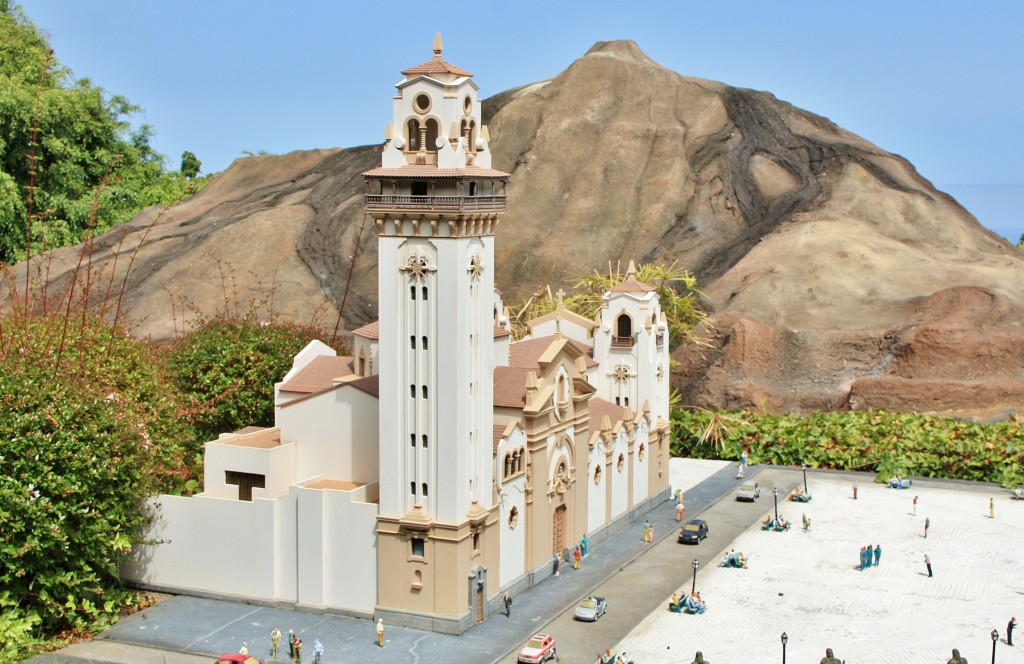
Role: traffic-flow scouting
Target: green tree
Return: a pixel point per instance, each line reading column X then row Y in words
column 91, row 430
column 66, row 144
column 190, row 164
column 228, row 367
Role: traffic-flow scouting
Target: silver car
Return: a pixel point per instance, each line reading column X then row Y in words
column 591, row 608
column 748, row 491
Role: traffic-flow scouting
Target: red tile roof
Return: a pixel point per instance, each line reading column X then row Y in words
column 599, row 408
column 526, row 353
column 369, row 331
column 368, row 384
column 320, row 374
column 431, row 171
column 501, row 332
column 435, row 66
column 510, row 387
column 631, row 285
column 496, row 432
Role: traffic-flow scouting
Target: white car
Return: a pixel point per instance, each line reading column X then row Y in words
column 748, row 491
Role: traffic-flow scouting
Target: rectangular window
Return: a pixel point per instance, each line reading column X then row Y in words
column 426, row 346
column 246, row 482
column 412, row 342
column 412, row 440
column 425, row 494
column 412, row 488
column 418, row 547
column 419, row 188
column 425, row 293
column 412, row 292
column 424, row 440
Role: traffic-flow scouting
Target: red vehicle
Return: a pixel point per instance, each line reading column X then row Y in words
column 237, row 658
column 540, row 647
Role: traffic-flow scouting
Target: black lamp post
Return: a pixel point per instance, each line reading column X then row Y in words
column 995, row 639
column 803, row 467
column 775, row 492
column 785, row 640
column 693, row 588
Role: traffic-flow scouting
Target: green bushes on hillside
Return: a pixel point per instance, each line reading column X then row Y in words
column 878, row 441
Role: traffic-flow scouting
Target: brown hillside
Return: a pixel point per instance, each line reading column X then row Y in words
column 836, row 275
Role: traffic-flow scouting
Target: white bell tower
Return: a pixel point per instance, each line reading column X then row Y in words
column 435, row 203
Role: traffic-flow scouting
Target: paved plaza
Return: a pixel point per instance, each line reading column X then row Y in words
column 807, row 584
column 803, row 583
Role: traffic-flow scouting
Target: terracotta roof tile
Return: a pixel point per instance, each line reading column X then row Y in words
column 431, row 171
column 435, row 66
column 599, row 408
column 526, row 353
column 631, row 285
column 510, row 387
column 501, row 332
column 320, row 374
column 369, row 331
column 368, row 384
column 496, row 433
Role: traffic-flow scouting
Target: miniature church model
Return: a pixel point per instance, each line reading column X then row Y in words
column 443, row 463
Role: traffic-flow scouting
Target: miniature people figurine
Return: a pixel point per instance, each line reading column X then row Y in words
column 557, row 562
column 855, row 491
column 318, row 651
column 807, row 523
column 915, row 505
column 928, row 564
column 584, row 544
column 244, row 650
column 1009, row 630
column 577, row 555
column 275, row 642
column 507, row 601
column 829, row 658
column 956, row 658
column 991, row 509
column 699, row 659
column 927, row 522
column 878, row 554
column 680, row 510
column 291, row 644
column 380, row 632
column 647, row 530
column 298, row 650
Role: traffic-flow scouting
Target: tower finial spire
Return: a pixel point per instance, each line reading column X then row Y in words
column 438, row 46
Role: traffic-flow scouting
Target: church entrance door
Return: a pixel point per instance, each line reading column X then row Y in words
column 558, row 529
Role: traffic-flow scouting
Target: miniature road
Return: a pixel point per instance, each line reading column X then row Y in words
column 643, row 585
column 803, row 583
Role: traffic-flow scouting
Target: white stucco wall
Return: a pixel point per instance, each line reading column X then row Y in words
column 597, row 499
column 511, row 493
column 209, row 545
column 640, row 467
column 619, row 479
column 277, row 465
column 338, row 430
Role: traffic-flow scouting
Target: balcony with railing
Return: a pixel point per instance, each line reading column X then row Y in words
column 434, row 203
column 622, row 342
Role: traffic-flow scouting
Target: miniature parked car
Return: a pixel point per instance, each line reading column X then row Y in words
column 237, row 658
column 591, row 608
column 748, row 491
column 539, row 648
column 693, row 531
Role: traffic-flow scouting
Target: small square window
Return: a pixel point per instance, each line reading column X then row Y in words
column 418, row 547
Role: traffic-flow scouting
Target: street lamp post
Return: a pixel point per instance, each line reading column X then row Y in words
column 785, row 640
column 803, row 467
column 995, row 639
column 693, row 588
column 775, row 492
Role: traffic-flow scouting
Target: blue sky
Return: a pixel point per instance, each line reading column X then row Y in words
column 938, row 82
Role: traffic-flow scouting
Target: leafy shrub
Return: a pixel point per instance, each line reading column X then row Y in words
column 880, row 441
column 228, row 367
column 90, row 431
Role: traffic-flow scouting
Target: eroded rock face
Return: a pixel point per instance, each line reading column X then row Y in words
column 836, row 275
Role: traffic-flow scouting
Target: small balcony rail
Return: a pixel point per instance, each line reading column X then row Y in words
column 434, row 203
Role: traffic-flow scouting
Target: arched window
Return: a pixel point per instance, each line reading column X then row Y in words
column 412, row 135
column 508, row 465
column 624, row 326
column 432, row 132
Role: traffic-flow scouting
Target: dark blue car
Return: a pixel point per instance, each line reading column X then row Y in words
column 693, row 531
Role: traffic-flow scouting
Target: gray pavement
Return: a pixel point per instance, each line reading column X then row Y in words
column 805, row 583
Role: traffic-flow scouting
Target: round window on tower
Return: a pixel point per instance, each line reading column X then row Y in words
column 467, row 105
column 422, row 102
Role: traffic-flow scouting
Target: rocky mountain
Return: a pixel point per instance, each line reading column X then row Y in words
column 836, row 275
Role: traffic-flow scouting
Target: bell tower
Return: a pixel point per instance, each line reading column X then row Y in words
column 435, row 203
